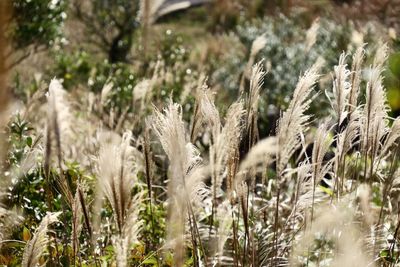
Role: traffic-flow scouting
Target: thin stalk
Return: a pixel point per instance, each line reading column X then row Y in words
column 276, row 223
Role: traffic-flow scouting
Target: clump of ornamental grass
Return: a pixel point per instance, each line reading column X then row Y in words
column 185, row 180
column 117, row 174
column 317, row 192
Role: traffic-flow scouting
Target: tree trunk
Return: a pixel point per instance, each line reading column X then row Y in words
column 120, row 47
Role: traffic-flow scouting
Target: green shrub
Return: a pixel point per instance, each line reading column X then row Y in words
column 37, row 22
column 73, row 68
column 123, row 80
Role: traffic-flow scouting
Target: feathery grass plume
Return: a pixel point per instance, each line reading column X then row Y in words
column 290, row 128
column 258, row 44
column 210, row 112
column 117, row 176
column 203, row 94
column 322, row 143
column 58, row 132
column 38, row 243
column 225, row 220
column 226, row 143
column 197, row 191
column 252, row 99
column 335, row 223
column 374, row 120
column 293, row 121
column 341, row 89
column 321, row 146
column 392, row 137
column 306, row 196
column 380, row 56
column 191, row 87
column 263, row 153
column 312, row 33
column 105, row 92
column 223, row 151
column 345, row 141
column 184, row 163
column 140, row 92
column 355, row 77
column 364, row 195
column 303, row 199
column 103, row 141
column 117, row 172
column 130, row 232
column 77, row 214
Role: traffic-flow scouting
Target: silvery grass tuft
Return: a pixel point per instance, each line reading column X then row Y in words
column 117, row 169
column 38, row 244
column 185, row 176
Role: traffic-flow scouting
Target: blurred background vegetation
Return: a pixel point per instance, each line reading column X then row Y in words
column 85, row 43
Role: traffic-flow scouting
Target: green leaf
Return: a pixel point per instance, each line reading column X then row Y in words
column 326, row 190
column 384, row 253
column 26, row 234
column 394, row 64
column 152, row 260
column 29, row 141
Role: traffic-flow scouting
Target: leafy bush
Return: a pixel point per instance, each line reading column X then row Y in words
column 72, row 68
column 37, row 22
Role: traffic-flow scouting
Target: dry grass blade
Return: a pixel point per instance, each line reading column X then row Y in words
column 257, row 45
